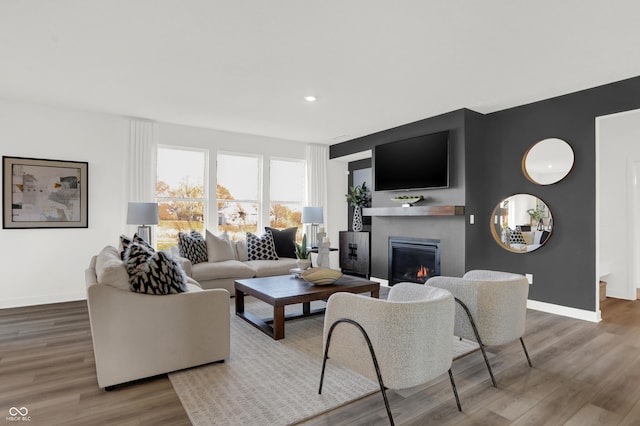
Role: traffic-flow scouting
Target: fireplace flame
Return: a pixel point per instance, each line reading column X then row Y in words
column 422, row 273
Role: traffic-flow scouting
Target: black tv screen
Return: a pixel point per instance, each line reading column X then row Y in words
column 415, row 163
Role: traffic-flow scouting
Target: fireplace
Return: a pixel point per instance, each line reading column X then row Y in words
column 413, row 259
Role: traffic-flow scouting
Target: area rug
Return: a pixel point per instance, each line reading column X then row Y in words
column 269, row 382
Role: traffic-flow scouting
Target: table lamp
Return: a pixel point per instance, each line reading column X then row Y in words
column 313, row 217
column 143, row 215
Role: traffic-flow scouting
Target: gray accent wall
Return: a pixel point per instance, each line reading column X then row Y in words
column 449, row 230
column 564, row 268
column 487, row 156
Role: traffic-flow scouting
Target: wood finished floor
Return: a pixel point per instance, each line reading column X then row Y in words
column 584, row 374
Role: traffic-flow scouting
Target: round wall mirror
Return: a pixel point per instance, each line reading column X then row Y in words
column 521, row 223
column 548, row 161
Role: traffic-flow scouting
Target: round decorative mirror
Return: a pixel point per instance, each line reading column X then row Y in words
column 521, row 223
column 548, row 161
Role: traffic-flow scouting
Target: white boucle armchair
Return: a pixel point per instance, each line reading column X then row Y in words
column 401, row 342
column 491, row 307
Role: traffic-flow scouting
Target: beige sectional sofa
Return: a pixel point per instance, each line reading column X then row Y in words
column 142, row 335
column 228, row 261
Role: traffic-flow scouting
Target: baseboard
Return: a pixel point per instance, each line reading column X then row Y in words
column 41, row 300
column 565, row 311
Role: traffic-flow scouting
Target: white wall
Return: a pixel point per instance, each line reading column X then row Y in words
column 47, row 265
column 618, row 144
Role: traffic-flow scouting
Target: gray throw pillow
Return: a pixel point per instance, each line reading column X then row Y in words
column 219, row 248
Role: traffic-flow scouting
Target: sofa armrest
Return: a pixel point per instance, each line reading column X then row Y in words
column 140, row 335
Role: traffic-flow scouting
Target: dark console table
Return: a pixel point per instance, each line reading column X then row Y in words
column 355, row 253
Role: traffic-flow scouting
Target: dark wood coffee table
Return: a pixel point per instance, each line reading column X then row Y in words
column 283, row 290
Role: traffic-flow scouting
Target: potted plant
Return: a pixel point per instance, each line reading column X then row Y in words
column 303, row 253
column 536, row 216
column 358, row 197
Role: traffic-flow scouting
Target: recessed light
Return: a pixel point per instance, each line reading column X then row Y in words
column 310, row 98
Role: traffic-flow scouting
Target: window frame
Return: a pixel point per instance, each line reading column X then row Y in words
column 259, row 187
column 205, row 180
column 302, row 201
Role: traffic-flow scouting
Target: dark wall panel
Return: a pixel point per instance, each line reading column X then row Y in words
column 450, row 230
column 489, row 169
column 564, row 269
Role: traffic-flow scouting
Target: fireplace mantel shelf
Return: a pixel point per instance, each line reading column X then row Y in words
column 414, row 211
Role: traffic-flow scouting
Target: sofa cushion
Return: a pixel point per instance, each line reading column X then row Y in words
column 192, row 285
column 261, row 248
column 153, row 272
column 220, row 270
column 268, row 268
column 110, row 269
column 193, row 246
column 219, row 248
column 284, row 241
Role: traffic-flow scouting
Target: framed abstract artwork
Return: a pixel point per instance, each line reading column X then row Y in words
column 39, row 193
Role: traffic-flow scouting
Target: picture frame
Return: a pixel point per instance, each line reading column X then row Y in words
column 41, row 193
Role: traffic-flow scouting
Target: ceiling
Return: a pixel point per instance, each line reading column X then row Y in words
column 246, row 65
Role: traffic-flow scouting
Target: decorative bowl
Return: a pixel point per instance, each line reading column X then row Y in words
column 407, row 199
column 320, row 276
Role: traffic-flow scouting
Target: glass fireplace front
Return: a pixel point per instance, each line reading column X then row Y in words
column 413, row 259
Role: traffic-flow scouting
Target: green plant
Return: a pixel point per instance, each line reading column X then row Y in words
column 301, row 250
column 537, row 213
column 358, row 196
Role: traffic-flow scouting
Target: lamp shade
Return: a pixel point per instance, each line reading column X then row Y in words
column 142, row 214
column 312, row 215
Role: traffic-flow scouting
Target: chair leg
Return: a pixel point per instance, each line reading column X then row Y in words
column 455, row 391
column 373, row 357
column 478, row 339
column 525, row 352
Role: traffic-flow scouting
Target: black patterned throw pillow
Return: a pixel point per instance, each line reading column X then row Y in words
column 153, row 272
column 517, row 237
column 125, row 241
column 261, row 248
column 193, row 247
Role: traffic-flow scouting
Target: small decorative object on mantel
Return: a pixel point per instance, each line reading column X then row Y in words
column 320, row 276
column 302, row 254
column 358, row 197
column 408, row 200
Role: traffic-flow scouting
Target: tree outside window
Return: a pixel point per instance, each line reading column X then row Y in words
column 237, row 194
column 180, row 193
column 287, row 189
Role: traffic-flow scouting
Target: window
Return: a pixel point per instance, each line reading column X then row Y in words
column 237, row 194
column 180, row 193
column 287, row 189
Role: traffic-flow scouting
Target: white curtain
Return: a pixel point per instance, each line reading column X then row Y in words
column 142, row 143
column 317, row 157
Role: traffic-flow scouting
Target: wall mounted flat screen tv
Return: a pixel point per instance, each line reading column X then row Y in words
column 416, row 163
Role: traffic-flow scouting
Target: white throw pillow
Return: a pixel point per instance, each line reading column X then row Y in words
column 219, row 248
column 242, row 253
column 110, row 269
